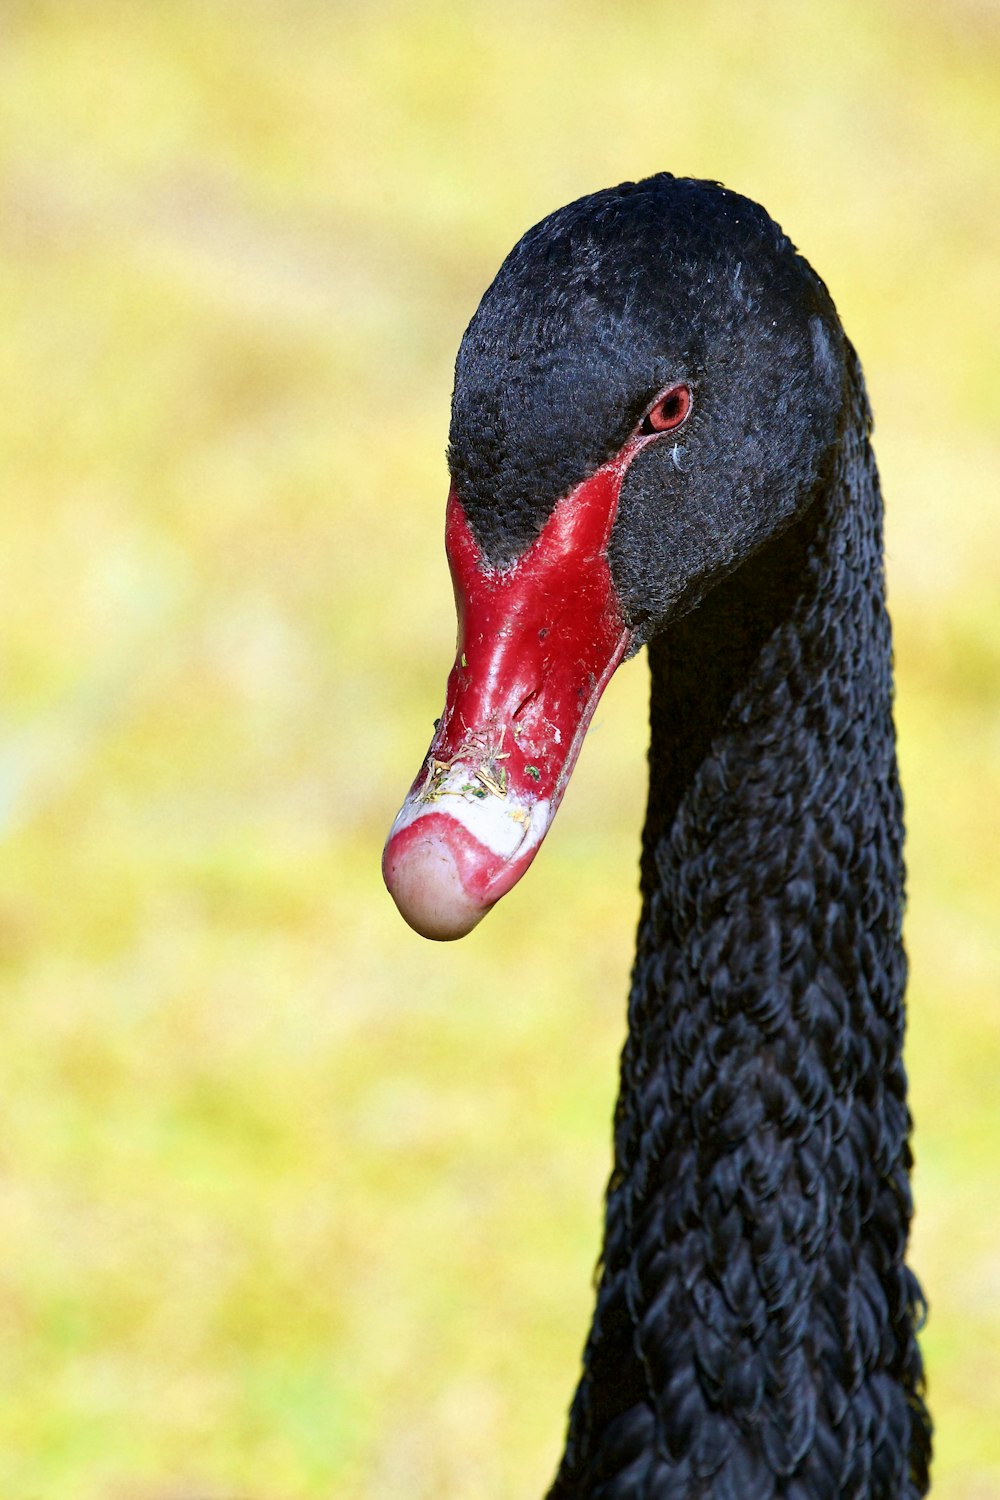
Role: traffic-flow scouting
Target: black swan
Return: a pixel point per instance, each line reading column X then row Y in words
column 659, row 437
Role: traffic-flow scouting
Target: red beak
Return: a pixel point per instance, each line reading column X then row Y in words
column 537, row 643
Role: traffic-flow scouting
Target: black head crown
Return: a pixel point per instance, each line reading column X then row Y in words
column 606, row 303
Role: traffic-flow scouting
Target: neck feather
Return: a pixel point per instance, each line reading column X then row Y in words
column 755, row 1325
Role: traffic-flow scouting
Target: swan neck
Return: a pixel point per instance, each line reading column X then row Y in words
column 755, row 1324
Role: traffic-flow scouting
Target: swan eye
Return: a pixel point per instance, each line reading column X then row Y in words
column 669, row 410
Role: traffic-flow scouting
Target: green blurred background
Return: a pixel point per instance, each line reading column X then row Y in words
column 292, row 1204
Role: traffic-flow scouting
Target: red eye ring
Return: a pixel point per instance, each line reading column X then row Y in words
column 669, row 410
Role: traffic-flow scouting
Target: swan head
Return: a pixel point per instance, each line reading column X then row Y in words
column 652, row 387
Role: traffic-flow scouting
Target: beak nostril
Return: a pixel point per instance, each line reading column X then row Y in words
column 524, row 703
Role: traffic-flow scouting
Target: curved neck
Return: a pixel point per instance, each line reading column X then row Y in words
column 754, row 1331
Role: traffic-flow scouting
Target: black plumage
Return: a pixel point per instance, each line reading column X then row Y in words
column 754, row 1334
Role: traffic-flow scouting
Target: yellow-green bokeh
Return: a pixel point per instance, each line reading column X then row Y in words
column 293, row 1205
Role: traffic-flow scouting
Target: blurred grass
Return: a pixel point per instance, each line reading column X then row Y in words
column 292, row 1204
